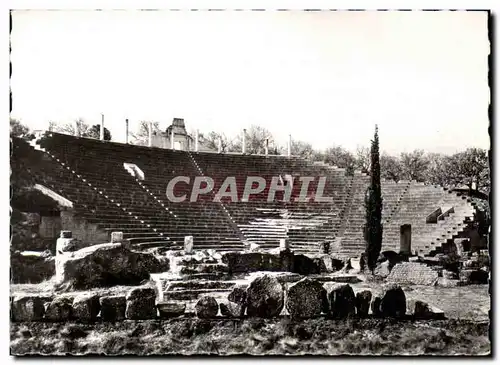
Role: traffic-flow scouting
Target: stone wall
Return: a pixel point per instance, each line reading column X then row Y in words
column 50, row 226
column 89, row 233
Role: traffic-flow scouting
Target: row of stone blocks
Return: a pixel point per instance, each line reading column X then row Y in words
column 265, row 297
column 138, row 304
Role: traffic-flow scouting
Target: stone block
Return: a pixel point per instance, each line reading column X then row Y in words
column 27, row 309
column 116, row 237
column 188, row 245
column 375, row 306
column 284, row 244
column 425, row 311
column 64, row 245
column 393, row 302
column 66, row 234
column 105, row 265
column 304, row 265
column 207, row 307
column 363, row 300
column 412, row 273
column 60, row 309
column 342, row 301
column 113, row 308
column 468, row 277
column 171, row 309
column 141, row 303
column 306, row 299
column 86, row 308
column 324, row 248
column 265, row 297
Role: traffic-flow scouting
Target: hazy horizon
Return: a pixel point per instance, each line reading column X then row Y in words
column 324, row 77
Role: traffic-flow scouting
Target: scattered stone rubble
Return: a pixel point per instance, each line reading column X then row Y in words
column 283, row 291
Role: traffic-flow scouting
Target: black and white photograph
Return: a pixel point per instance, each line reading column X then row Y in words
column 202, row 182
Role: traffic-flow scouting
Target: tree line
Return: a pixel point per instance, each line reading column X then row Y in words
column 468, row 168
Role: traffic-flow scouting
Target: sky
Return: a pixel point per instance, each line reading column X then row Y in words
column 324, row 77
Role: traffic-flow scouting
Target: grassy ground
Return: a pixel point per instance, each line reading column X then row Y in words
column 466, row 331
column 280, row 336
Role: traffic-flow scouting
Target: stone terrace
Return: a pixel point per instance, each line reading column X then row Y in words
column 91, row 174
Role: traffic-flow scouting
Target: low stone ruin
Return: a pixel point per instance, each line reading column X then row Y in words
column 105, row 265
column 265, row 297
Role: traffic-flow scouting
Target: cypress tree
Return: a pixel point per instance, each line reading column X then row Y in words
column 373, row 205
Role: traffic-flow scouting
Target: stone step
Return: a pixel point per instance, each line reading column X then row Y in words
column 198, row 284
column 191, row 294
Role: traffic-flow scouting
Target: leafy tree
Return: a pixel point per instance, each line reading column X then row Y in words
column 255, row 141
column 141, row 137
column 390, row 168
column 302, row 149
column 95, row 132
column 77, row 128
column 211, row 140
column 438, row 169
column 470, row 168
column 415, row 165
column 17, row 129
column 363, row 158
column 339, row 157
column 373, row 205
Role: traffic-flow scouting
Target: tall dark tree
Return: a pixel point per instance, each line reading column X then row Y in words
column 373, row 205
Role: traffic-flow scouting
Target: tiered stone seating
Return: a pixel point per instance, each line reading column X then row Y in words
column 102, row 164
column 266, row 222
column 91, row 173
column 88, row 202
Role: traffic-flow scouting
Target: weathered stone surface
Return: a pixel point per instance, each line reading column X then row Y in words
column 363, row 300
column 171, row 309
column 375, row 306
column 86, row 307
column 67, row 245
column 31, row 267
column 447, row 283
column 113, row 308
column 393, row 258
column 188, row 245
column 284, row 244
column 449, row 275
column 356, row 263
column 306, row 299
column 238, row 262
column 230, row 309
column 304, row 265
column 59, row 310
column 426, row 311
column 207, row 307
column 254, row 247
column 412, row 273
column 265, row 297
column 324, row 248
column 141, row 303
column 327, row 263
column 27, row 308
column 393, row 302
column 116, row 237
column 382, row 269
column 286, row 260
column 342, row 301
column 66, row 234
column 105, row 265
column 468, row 277
column 236, row 303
